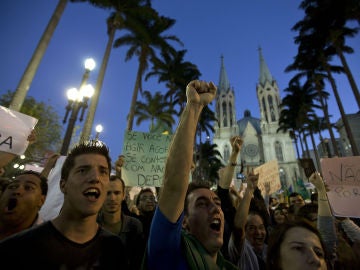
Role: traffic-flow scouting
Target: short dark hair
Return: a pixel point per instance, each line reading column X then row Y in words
column 141, row 192
column 114, row 177
column 277, row 236
column 191, row 187
column 43, row 180
column 86, row 147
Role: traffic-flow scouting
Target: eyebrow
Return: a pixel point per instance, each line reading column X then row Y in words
column 216, row 198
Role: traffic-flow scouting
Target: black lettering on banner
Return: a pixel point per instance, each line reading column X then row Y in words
column 348, row 174
column 345, row 192
column 131, row 136
column 149, row 180
column 8, row 141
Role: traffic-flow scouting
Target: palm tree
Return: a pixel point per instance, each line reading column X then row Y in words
column 297, row 107
column 314, row 56
column 205, row 123
column 157, row 110
column 327, row 21
column 145, row 36
column 208, row 163
column 176, row 73
column 124, row 10
column 30, row 71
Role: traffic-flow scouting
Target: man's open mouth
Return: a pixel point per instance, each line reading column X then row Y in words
column 11, row 204
column 215, row 224
column 92, row 193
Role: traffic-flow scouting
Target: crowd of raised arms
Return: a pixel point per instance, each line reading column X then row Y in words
column 186, row 225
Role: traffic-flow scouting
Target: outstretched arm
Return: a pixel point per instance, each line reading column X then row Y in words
column 228, row 173
column 180, row 155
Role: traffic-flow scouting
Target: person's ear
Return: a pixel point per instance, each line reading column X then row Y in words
column 185, row 224
column 41, row 201
column 63, row 186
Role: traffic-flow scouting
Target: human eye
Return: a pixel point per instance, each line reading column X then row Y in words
column 319, row 252
column 218, row 204
column 13, row 186
column 81, row 170
column 201, row 203
column 297, row 247
column 104, row 171
column 30, row 187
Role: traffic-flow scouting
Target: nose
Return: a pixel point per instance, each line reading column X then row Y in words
column 214, row 207
column 313, row 258
column 94, row 176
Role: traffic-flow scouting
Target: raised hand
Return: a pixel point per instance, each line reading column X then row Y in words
column 200, row 92
column 236, row 143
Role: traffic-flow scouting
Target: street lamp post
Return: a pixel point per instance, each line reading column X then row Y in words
column 89, row 66
column 77, row 101
column 98, row 129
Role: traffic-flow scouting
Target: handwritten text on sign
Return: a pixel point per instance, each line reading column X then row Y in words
column 15, row 127
column 268, row 173
column 145, row 156
column 342, row 176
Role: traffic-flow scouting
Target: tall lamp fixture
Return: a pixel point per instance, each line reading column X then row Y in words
column 89, row 66
column 78, row 100
column 98, row 129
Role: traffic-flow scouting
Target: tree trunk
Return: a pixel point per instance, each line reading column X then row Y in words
column 29, row 73
column 324, row 106
column 134, row 97
column 342, row 112
column 315, row 152
column 348, row 73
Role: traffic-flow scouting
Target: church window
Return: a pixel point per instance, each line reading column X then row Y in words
column 264, row 107
column 230, row 114
column 224, row 114
column 278, row 151
column 271, row 106
column 226, row 152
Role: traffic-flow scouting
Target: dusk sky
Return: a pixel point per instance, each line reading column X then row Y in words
column 208, row 29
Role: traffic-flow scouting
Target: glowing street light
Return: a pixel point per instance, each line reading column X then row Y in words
column 98, row 129
column 77, row 100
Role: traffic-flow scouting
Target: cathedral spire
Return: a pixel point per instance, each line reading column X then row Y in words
column 224, row 84
column 265, row 75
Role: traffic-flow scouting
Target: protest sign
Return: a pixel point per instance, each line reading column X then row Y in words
column 15, row 127
column 145, row 156
column 269, row 172
column 342, row 176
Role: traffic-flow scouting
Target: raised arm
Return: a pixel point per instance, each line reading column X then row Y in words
column 323, row 202
column 242, row 210
column 326, row 220
column 228, row 173
column 180, row 154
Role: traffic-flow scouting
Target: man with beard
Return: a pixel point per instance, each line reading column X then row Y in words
column 188, row 224
column 146, row 203
column 21, row 201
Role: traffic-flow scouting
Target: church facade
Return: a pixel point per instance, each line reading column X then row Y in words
column 262, row 142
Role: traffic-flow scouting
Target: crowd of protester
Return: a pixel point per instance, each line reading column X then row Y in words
column 185, row 226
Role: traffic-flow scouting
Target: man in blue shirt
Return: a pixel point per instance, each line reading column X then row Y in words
column 188, row 225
